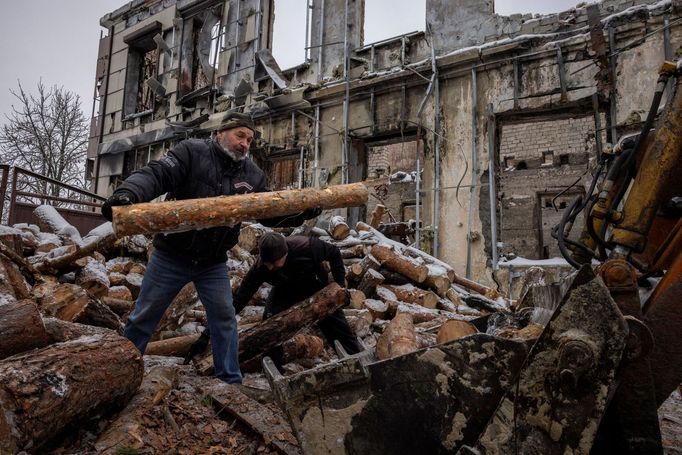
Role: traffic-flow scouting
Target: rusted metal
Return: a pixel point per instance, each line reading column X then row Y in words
column 663, row 315
column 429, row 401
column 3, row 186
column 631, row 422
column 657, row 177
column 598, row 44
column 561, row 392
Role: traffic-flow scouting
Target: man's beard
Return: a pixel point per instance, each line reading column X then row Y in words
column 235, row 155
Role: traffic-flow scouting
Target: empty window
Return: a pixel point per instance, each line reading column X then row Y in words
column 143, row 61
column 385, row 19
column 289, row 34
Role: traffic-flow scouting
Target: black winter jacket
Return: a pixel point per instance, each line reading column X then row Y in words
column 196, row 169
column 301, row 276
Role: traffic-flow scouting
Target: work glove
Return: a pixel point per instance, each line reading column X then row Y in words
column 198, row 347
column 311, row 213
column 120, row 197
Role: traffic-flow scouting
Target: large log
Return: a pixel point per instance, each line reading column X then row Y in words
column 45, row 390
column 178, row 346
column 454, row 330
column 21, row 328
column 398, row 338
column 282, row 326
column 66, row 261
column 59, row 331
column 392, row 259
column 358, row 270
column 370, row 282
column 93, row 277
column 12, row 284
column 185, row 215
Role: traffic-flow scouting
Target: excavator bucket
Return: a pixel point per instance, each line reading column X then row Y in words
column 440, row 399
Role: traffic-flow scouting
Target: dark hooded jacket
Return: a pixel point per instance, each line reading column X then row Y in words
column 197, row 169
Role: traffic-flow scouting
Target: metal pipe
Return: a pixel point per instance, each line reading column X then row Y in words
column 300, row 168
column 236, row 38
column 316, row 170
column 492, row 188
column 417, row 235
column 474, row 169
column 346, row 101
column 307, row 31
column 103, row 104
column 612, row 95
column 436, row 159
column 259, row 24
column 321, row 35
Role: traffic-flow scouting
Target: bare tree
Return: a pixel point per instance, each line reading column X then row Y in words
column 46, row 133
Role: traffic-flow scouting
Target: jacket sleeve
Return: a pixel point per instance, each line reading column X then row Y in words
column 250, row 284
column 330, row 253
column 159, row 176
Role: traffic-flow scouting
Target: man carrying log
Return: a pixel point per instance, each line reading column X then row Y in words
column 293, row 266
column 196, row 169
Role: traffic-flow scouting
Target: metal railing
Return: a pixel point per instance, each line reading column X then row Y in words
column 29, row 189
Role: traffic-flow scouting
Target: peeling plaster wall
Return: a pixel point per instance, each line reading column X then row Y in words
column 385, row 95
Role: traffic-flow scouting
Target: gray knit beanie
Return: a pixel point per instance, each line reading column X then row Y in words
column 272, row 246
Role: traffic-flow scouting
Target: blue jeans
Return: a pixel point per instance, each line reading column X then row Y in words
column 164, row 278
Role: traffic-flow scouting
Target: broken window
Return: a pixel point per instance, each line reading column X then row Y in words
column 289, row 42
column 282, row 168
column 143, row 61
column 203, row 40
column 396, row 18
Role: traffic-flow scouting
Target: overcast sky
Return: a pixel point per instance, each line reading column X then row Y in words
column 56, row 40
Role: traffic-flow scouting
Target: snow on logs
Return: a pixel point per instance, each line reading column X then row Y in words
column 185, row 215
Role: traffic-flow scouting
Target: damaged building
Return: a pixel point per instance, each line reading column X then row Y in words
column 484, row 126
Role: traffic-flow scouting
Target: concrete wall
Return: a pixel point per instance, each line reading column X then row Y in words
column 494, row 72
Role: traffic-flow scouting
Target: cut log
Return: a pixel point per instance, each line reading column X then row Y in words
column 357, row 299
column 59, row 331
column 356, row 251
column 120, row 437
column 377, row 215
column 412, row 294
column 357, row 271
column 13, row 239
column 437, row 279
column 251, row 314
column 93, row 277
column 377, row 308
column 338, row 229
column 19, row 260
column 21, row 328
column 134, row 283
column 453, row 296
column 370, row 281
column 98, row 314
column 44, row 391
column 250, row 235
column 398, row 338
column 392, row 277
column 476, row 287
column 360, row 325
column 64, row 301
column 174, row 347
column 419, row 313
column 12, row 283
column 120, row 265
column 282, row 326
column 393, row 260
column 120, row 293
column 50, row 220
column 188, row 214
column 302, row 346
column 137, row 268
column 454, row 330
column 186, row 299
column 425, row 339
column 116, row 279
column 362, row 227
column 64, row 262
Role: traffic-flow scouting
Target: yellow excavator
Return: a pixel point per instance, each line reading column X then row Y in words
column 590, row 383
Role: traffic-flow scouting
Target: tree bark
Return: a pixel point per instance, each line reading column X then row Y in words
column 59, row 331
column 43, row 391
column 174, row 347
column 64, row 301
column 185, row 215
column 377, row 308
column 119, row 436
column 398, row 339
column 250, row 235
column 377, row 215
column 357, row 271
column 338, row 229
column 302, row 346
column 412, row 294
column 355, row 251
column 12, row 282
column 393, row 260
column 282, row 326
column 21, row 328
column 454, row 330
column 357, row 299
column 370, row 281
column 120, row 293
column 437, row 279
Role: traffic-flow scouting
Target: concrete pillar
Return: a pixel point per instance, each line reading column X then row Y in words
column 330, row 16
column 460, row 23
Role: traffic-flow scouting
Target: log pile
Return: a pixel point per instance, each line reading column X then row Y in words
column 64, row 299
